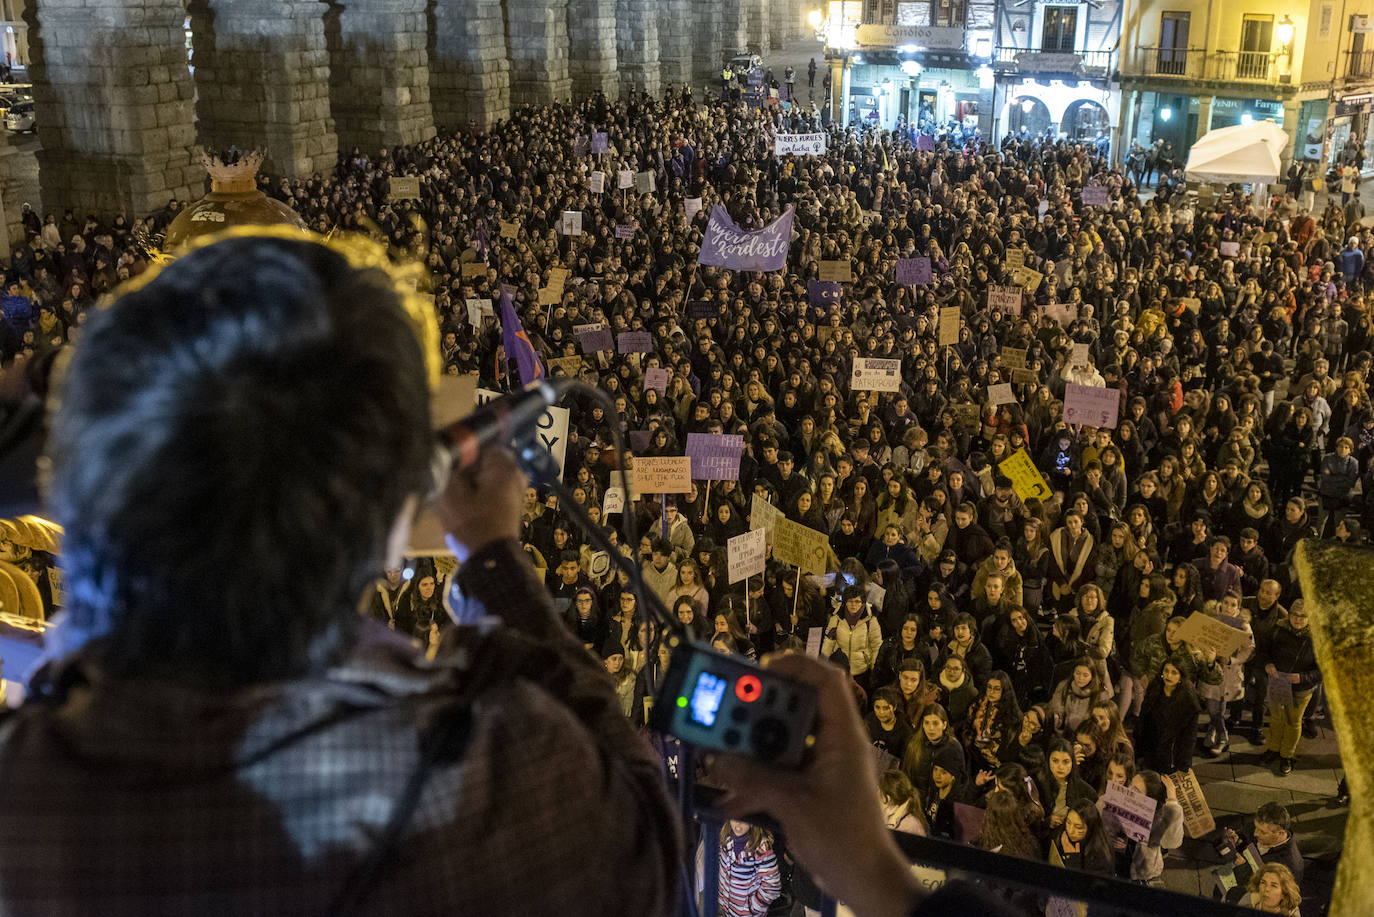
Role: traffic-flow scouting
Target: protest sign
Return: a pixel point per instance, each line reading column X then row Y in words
column 1090, row 405
column 479, row 309
column 596, row 341
column 726, row 245
column 799, row 145
column 744, row 554
column 925, row 143
column 1191, row 303
column 1026, row 479
column 1027, row 278
column 1133, row 811
column 551, row 428
column 624, row 178
column 509, row 230
column 949, row 325
column 702, row 308
column 625, row 231
column 656, row 378
column 558, row 278
column 1230, row 249
column 1006, row 298
column 1197, row 815
column 691, row 206
column 663, row 474
column 1279, row 692
column 644, row 182
column 913, row 271
column 474, row 269
column 1080, row 355
column 571, row 223
column 613, row 501
column 823, row 292
column 1202, row 632
column 600, row 143
column 597, row 183
column 404, row 188
column 715, row 456
column 1096, row 196
column 1062, row 312
column 548, row 296
column 764, row 515
column 967, row 417
column 569, row 366
column 634, row 342
column 801, row 547
column 813, row 643
column 1000, row 394
column 874, row 375
column 836, row 271
column 1013, row 357
column 1015, row 257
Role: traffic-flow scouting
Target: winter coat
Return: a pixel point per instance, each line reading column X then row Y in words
column 1013, row 588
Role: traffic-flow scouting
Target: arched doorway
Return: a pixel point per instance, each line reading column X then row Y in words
column 1085, row 119
column 1028, row 112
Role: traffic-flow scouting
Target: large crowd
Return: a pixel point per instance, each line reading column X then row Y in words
column 1013, row 654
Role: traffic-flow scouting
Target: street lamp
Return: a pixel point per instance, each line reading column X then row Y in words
column 1026, row 105
column 813, row 18
column 1284, row 33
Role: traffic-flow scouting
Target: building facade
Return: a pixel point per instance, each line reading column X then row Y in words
column 1189, row 66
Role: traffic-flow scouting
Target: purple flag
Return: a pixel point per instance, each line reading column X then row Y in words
column 600, row 143
column 517, row 343
column 824, row 292
column 925, row 142
column 726, row 245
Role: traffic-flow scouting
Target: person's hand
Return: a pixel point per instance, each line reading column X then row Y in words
column 829, row 810
column 483, row 503
column 1294, row 677
column 1232, row 836
column 1270, row 670
column 983, row 777
column 1056, row 821
column 1119, row 842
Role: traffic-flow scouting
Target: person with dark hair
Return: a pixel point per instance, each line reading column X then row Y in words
column 1166, row 830
column 1081, row 843
column 1166, row 733
column 888, row 731
column 240, row 446
column 1273, row 835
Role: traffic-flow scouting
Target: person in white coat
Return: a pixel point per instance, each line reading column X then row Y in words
column 854, row 630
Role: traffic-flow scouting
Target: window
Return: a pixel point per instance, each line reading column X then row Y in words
column 1060, row 28
column 1256, row 45
column 948, row 13
column 1172, row 57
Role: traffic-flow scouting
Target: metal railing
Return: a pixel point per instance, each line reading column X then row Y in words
column 1027, row 59
column 1218, row 66
column 1359, row 65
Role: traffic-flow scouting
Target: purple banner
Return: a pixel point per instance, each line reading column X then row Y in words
column 824, row 292
column 925, row 142
column 726, row 245
column 913, row 271
column 600, row 143
column 635, row 342
column 595, row 341
column 715, row 457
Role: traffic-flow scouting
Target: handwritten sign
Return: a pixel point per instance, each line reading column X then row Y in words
column 1096, row 196
column 1013, row 357
column 813, row 643
column 838, row 271
column 568, row 366
column 656, row 378
column 1090, row 405
column 1005, row 298
column 1065, row 313
column 644, row 182
column 596, row 341
column 875, row 375
column 571, row 223
column 478, row 309
column 625, row 231
column 1230, row 249
column 624, row 178
column 1016, row 257
column 715, row 456
column 474, row 269
column 702, row 308
column 967, row 417
column 551, row 427
column 802, row 547
column 613, row 501
column 1197, row 815
column 1202, row 632
column 744, row 555
column 1080, row 355
column 403, row 188
column 1000, row 394
column 913, row 271
column 558, row 278
column 664, row 474
column 597, row 183
column 1133, row 811
column 1026, row 479
column 634, row 342
column 949, row 325
column 764, row 515
column 509, row 230
column 601, row 144
column 691, row 206
column 1279, row 691
column 1027, row 278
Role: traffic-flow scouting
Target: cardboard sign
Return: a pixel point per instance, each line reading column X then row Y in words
column 949, row 325
column 1013, row 357
column 764, row 515
column 613, row 501
column 474, row 269
column 548, row 296
column 596, row 341
column 1132, row 811
column 1096, row 196
column 568, row 366
column 552, row 427
column 913, row 271
column 1026, row 479
column 1016, row 257
column 813, row 643
column 597, row 183
column 405, row 188
column 624, row 178
column 1080, row 355
column 1090, row 405
column 664, row 474
column 1197, row 815
column 1027, row 278
column 691, row 206
column 715, row 456
column 1005, row 298
column 644, row 182
column 1202, row 632
column 1279, row 691
column 601, row 143
column 800, row 546
column 838, row 271
column 634, row 342
column 1000, row 394
column 1064, row 313
column 478, row 309
column 571, row 223
column 744, row 555
column 1230, row 249
column 967, row 417
column 509, row 230
column 656, row 378
column 625, row 231
column 875, row 375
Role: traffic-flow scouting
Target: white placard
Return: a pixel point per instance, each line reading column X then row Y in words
column 745, row 554
column 874, row 375
column 624, row 179
column 597, row 183
column 477, row 309
column 692, row 206
column 552, row 427
column 612, row 501
column 799, row 145
column 1000, row 394
column 571, row 223
column 1080, row 356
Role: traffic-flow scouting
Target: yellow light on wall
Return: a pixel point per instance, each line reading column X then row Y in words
column 1284, row 32
column 814, row 18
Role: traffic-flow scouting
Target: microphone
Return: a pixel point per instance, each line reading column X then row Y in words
column 502, row 420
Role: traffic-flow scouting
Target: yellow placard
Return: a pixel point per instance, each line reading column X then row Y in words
column 1026, row 479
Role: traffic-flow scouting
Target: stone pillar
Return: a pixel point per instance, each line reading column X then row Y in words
column 592, row 48
column 469, row 66
column 537, row 35
column 378, row 72
column 707, row 53
column 781, row 22
column 757, row 25
column 262, row 82
column 113, row 95
column 676, row 31
column 636, row 39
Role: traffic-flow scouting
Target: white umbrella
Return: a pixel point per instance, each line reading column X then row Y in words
column 1244, row 153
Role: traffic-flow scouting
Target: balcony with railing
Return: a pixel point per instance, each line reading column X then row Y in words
column 1212, row 66
column 1359, row 65
column 1082, row 63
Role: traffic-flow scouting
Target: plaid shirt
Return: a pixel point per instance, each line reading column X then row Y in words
column 141, row 798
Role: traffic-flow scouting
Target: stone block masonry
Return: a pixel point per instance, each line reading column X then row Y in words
column 636, row 39
column 379, row 72
column 592, row 45
column 469, row 64
column 537, row 36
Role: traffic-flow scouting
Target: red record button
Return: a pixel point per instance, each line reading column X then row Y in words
column 748, row 688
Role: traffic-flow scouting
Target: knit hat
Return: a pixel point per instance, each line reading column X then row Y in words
column 951, row 757
column 612, row 648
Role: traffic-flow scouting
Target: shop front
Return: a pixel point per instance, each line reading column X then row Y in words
column 891, row 93
column 1077, row 110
